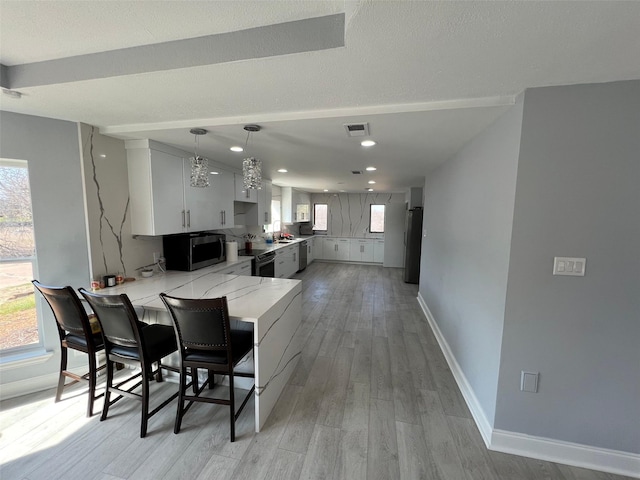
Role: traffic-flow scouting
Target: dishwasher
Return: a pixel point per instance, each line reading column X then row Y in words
column 302, row 256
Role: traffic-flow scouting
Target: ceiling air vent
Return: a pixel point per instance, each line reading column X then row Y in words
column 357, row 129
column 356, row 172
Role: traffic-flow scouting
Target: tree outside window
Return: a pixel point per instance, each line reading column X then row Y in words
column 18, row 317
column 376, row 219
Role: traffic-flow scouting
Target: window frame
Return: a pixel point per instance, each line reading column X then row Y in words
column 371, row 216
column 31, row 352
column 315, row 205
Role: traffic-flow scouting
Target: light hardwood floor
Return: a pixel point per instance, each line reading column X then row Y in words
column 372, row 398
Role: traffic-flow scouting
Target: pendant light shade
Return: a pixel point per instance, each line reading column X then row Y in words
column 199, row 165
column 251, row 167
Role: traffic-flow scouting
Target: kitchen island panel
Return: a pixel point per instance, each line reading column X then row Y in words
column 271, row 307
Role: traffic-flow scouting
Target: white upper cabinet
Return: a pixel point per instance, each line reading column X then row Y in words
column 162, row 201
column 198, row 202
column 256, row 214
column 264, row 203
column 223, row 194
column 244, row 194
column 296, row 205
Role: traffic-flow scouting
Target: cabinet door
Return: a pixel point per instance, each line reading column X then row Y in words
column 264, row 203
column 199, row 202
column 329, row 246
column 280, row 266
column 295, row 260
column 310, row 251
column 168, row 212
column 342, row 251
column 244, row 194
column 355, row 250
column 221, row 211
column 378, row 251
column 367, row 250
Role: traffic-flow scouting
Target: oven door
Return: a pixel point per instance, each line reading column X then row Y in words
column 266, row 265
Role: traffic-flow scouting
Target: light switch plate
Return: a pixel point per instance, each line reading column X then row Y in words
column 529, row 381
column 572, row 266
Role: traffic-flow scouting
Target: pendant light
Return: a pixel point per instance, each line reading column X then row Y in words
column 199, row 165
column 251, row 167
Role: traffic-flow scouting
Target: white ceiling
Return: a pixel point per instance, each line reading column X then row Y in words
column 427, row 76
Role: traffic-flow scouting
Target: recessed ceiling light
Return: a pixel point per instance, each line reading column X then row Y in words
column 213, row 173
column 371, row 182
column 343, row 190
column 102, row 155
column 325, row 190
column 282, row 170
column 369, row 189
column 237, row 149
column 367, row 143
column 371, row 169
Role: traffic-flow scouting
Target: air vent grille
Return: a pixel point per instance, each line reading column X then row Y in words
column 357, row 129
column 356, row 172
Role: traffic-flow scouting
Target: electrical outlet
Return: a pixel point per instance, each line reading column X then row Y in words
column 529, row 381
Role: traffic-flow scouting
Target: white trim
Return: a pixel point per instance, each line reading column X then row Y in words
column 29, row 385
column 585, row 456
column 463, row 384
column 482, row 102
column 25, row 358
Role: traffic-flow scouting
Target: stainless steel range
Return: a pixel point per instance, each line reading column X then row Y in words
column 263, row 262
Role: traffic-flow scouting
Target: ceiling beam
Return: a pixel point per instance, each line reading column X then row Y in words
column 298, row 36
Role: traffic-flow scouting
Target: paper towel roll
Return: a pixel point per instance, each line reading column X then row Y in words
column 232, row 251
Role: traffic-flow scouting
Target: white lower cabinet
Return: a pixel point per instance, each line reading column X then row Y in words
column 239, row 269
column 378, row 251
column 342, row 249
column 366, row 250
column 328, row 248
column 287, row 261
column 361, row 250
column 310, row 250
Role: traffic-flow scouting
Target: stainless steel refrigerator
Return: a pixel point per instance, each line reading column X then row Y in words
column 412, row 245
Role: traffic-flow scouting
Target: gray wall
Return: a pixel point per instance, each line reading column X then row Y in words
column 52, row 150
column 578, row 194
column 467, row 218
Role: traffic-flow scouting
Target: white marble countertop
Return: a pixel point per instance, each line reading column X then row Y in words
column 249, row 298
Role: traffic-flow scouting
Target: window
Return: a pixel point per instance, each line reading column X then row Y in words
column 376, row 219
column 18, row 317
column 320, row 216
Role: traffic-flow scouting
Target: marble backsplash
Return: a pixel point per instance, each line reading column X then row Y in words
column 348, row 213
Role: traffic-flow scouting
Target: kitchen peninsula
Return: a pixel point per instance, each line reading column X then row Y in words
column 272, row 306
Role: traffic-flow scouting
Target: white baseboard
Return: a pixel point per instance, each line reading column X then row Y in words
column 585, row 456
column 29, row 385
column 558, row 451
column 463, row 384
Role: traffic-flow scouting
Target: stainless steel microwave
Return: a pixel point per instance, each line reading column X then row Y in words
column 191, row 251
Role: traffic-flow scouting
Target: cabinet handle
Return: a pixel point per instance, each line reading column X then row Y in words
column 183, row 221
column 246, row 193
column 294, row 257
column 224, row 217
column 221, row 217
column 189, row 218
column 266, row 217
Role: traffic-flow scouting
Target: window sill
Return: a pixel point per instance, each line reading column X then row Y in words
column 24, row 358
